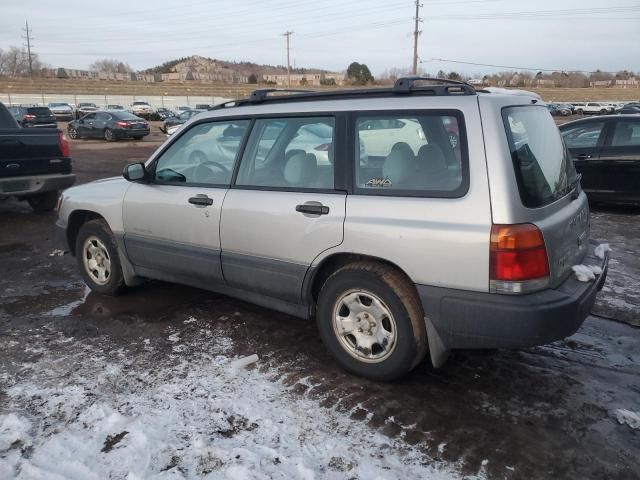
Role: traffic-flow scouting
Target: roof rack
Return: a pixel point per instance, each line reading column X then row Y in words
column 403, row 86
column 406, row 85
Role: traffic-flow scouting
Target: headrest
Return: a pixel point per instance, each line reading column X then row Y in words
column 398, row 167
column 431, row 159
column 301, row 169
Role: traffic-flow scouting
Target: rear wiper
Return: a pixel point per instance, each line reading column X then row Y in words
column 575, row 191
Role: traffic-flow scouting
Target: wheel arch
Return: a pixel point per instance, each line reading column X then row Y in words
column 77, row 218
column 317, row 275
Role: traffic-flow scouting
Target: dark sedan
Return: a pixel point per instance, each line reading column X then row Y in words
column 179, row 120
column 630, row 108
column 34, row 117
column 110, row 125
column 606, row 151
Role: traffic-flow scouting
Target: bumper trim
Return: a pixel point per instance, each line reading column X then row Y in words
column 464, row 319
column 37, row 184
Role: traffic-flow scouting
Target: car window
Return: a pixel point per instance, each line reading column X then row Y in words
column 90, row 116
column 289, row 153
column 626, row 134
column 583, row 136
column 416, row 155
column 102, row 117
column 204, row 154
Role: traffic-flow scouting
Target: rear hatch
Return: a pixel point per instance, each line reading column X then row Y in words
column 28, row 151
column 40, row 116
column 548, row 187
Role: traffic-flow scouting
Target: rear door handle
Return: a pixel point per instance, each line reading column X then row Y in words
column 313, row 209
column 201, row 200
column 583, row 156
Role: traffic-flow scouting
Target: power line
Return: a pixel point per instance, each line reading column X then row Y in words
column 533, row 69
column 27, row 37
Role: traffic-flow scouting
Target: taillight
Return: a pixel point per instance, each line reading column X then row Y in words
column 29, row 117
column 518, row 258
column 122, row 124
column 63, row 143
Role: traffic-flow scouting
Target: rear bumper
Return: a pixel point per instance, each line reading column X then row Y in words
column 131, row 133
column 34, row 184
column 463, row 319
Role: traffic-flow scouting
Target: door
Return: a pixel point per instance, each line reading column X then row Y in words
column 99, row 124
column 284, row 209
column 584, row 141
column 620, row 161
column 171, row 223
column 85, row 125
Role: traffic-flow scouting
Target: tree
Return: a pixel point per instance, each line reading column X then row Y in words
column 304, row 82
column 14, row 62
column 253, row 79
column 327, row 81
column 110, row 65
column 454, row 76
column 441, row 74
column 359, row 74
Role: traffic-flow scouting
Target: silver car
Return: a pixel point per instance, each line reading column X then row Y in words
column 397, row 240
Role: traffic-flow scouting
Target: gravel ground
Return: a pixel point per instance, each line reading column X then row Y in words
column 142, row 386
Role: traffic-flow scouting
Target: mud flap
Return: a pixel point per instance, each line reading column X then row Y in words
column 438, row 351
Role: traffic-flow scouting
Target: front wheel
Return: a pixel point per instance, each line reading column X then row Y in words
column 73, row 134
column 370, row 319
column 580, row 111
column 98, row 258
column 43, row 202
column 603, row 112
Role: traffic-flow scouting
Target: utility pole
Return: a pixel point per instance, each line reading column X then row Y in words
column 288, row 34
column 27, row 37
column 416, row 34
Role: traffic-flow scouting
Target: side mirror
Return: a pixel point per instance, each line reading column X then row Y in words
column 135, row 172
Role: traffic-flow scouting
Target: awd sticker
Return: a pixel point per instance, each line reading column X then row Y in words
column 379, row 182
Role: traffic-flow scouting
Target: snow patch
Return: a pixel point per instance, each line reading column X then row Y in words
column 628, row 417
column 601, row 249
column 583, row 273
column 12, row 429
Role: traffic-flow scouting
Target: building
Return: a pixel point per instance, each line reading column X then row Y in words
column 304, row 79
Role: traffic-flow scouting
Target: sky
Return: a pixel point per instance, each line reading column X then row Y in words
column 544, row 34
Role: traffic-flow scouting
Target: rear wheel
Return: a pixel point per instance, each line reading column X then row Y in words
column 603, row 112
column 370, row 319
column 580, row 111
column 73, row 134
column 98, row 258
column 109, row 136
column 43, row 202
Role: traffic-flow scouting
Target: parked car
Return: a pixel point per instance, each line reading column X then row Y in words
column 630, row 108
column 557, row 109
column 34, row 117
column 182, row 108
column 114, row 107
column 84, row 108
column 141, row 109
column 443, row 248
column 35, row 164
column 162, row 114
column 593, row 108
column 606, row 152
column 62, row 111
column 178, row 120
column 203, row 106
column 111, row 125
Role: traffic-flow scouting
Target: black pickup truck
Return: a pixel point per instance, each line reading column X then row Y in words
column 35, row 163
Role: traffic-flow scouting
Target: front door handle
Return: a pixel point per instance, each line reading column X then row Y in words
column 583, row 156
column 313, row 209
column 201, row 200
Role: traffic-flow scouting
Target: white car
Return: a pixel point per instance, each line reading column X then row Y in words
column 593, row 108
column 141, row 108
column 62, row 111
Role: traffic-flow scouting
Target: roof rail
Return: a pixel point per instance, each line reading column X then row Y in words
column 261, row 94
column 405, row 85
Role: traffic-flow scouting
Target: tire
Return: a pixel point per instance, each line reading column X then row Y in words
column 73, row 134
column 43, row 202
column 384, row 301
column 580, row 111
column 137, row 138
column 109, row 136
column 98, row 258
column 603, row 112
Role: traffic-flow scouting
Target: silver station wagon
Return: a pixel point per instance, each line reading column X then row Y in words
column 420, row 218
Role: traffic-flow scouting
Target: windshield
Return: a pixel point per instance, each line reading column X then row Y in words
column 543, row 168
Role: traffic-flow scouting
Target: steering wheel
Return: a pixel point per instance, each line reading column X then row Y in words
column 204, row 172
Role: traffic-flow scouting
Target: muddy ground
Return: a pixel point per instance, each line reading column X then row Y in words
column 547, row 412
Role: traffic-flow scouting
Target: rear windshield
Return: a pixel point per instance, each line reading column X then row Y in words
column 39, row 111
column 543, row 168
column 126, row 116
